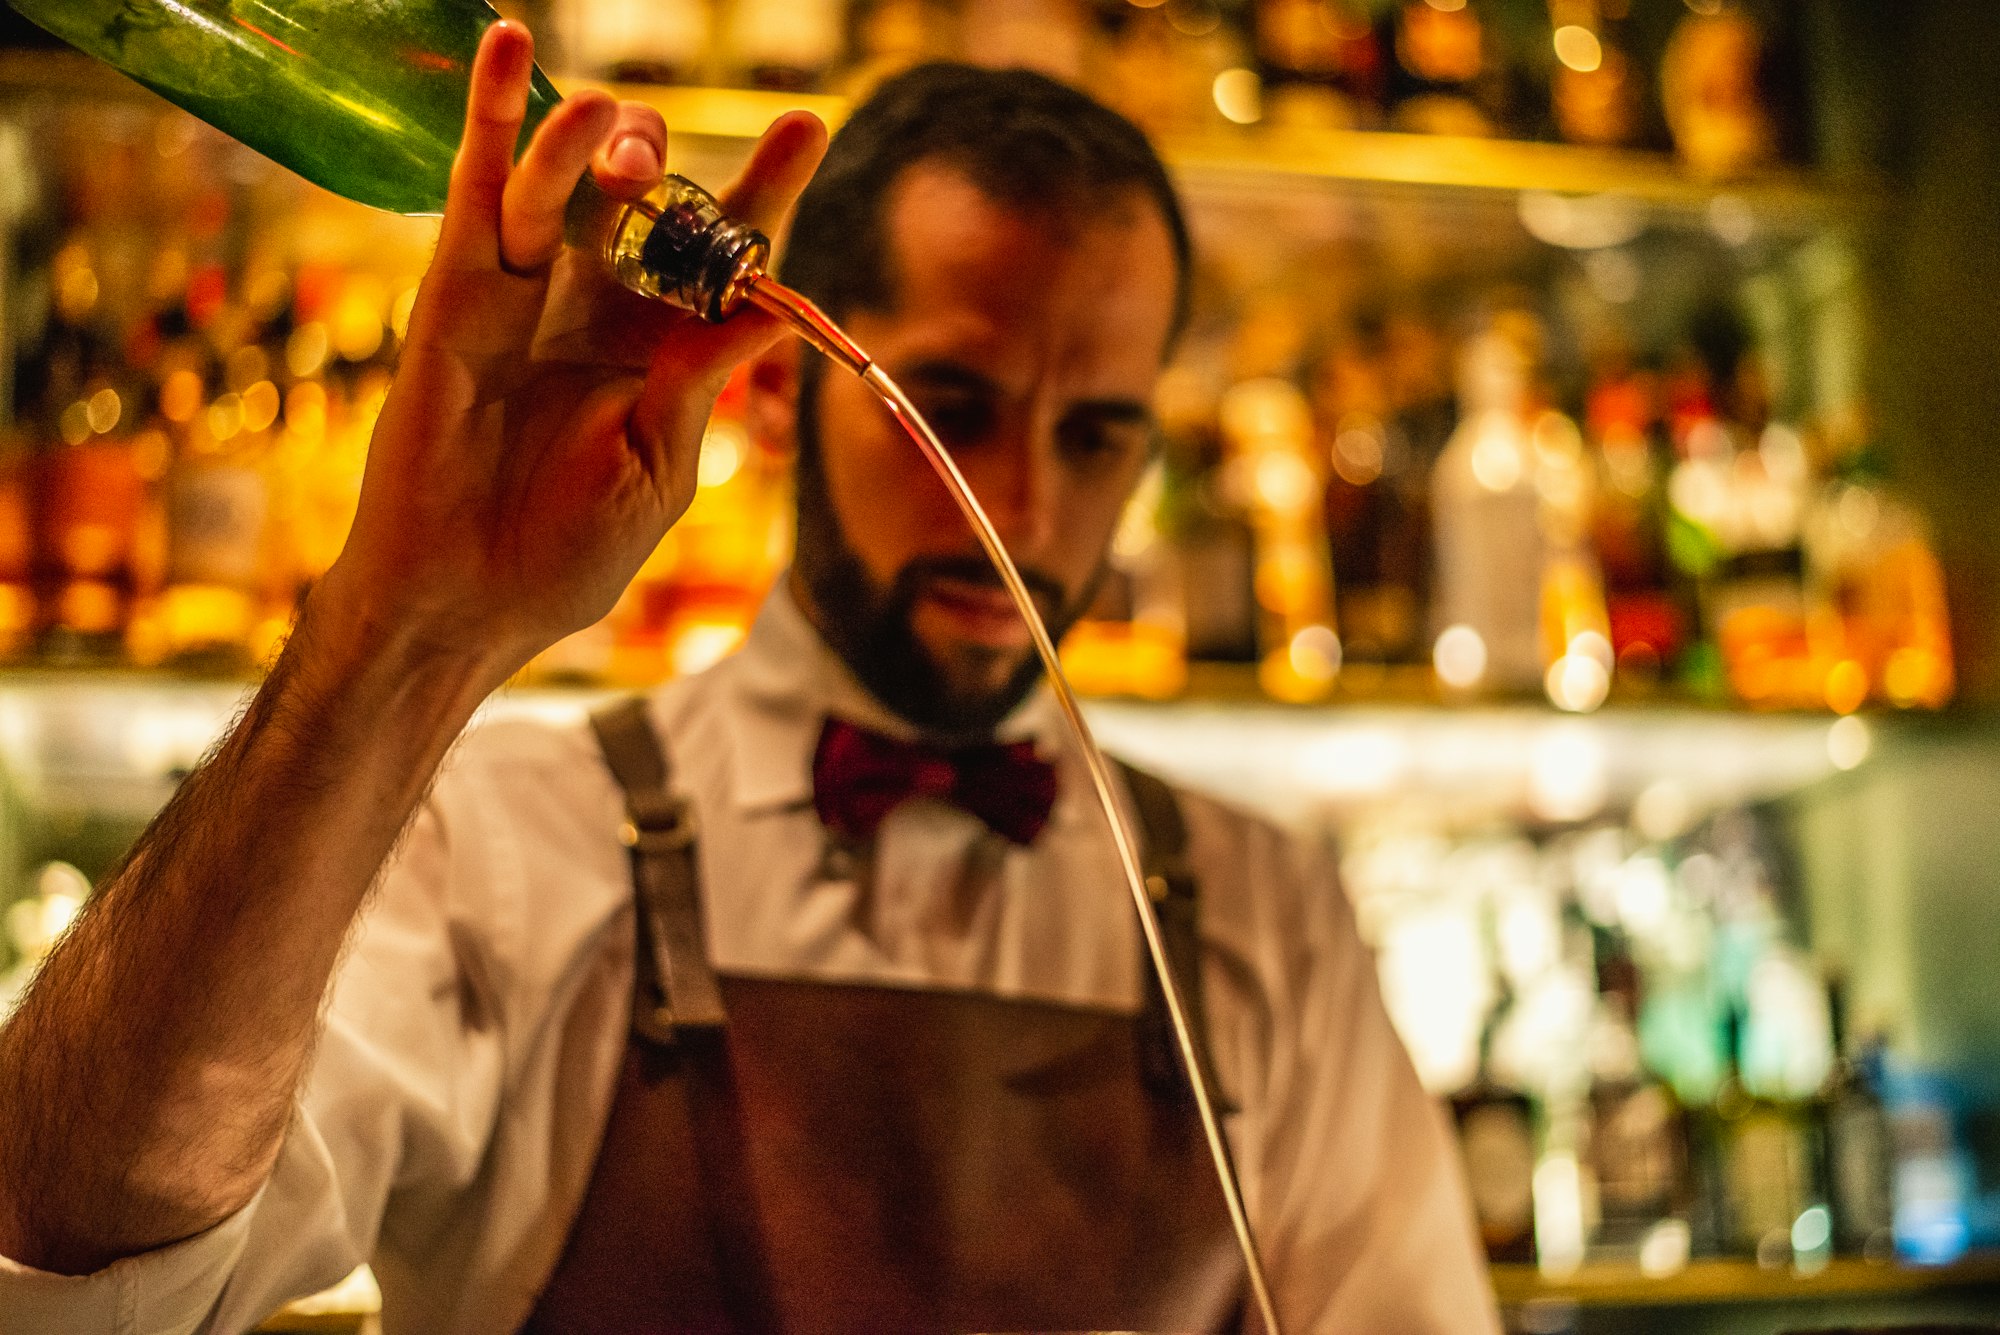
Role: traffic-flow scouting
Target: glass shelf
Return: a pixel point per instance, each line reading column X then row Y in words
column 116, row 743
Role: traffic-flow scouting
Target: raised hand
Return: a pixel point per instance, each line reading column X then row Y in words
column 544, row 425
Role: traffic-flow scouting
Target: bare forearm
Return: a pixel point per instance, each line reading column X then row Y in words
column 146, row 1082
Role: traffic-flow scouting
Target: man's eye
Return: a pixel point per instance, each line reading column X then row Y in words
column 959, row 422
column 1095, row 440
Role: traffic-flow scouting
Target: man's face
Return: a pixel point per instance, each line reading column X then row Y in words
column 1030, row 343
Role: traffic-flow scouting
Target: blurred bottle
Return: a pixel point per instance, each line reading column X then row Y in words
column 1496, row 1138
column 1267, row 431
column 1212, row 552
column 1598, row 83
column 1860, row 1163
column 1764, row 1161
column 1879, row 625
column 17, row 547
column 1322, row 64
column 786, row 45
column 92, row 497
column 1452, row 73
column 639, row 41
column 1377, row 506
column 224, row 604
column 1712, row 91
column 1758, row 602
column 1518, row 600
column 1638, row 1144
column 1647, row 609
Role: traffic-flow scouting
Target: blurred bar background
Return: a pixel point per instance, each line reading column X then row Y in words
column 1575, row 501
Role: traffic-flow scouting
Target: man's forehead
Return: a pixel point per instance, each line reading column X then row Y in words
column 949, row 241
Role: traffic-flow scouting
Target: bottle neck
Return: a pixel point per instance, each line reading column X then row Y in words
column 676, row 246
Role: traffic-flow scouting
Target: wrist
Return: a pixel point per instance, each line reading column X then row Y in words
column 350, row 633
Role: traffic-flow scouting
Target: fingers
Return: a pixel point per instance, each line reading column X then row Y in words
column 634, row 155
column 536, row 194
column 495, row 107
column 778, row 169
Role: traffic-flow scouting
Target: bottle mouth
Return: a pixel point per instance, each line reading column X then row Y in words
column 739, row 257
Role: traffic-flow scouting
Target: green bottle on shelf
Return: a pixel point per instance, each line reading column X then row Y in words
column 367, row 98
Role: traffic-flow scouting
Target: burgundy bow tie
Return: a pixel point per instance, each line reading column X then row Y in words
column 859, row 777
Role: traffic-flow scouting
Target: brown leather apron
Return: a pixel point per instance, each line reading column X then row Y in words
column 869, row 1159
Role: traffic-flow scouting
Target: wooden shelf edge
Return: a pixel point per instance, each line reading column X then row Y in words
column 1719, row 1281
column 1334, row 157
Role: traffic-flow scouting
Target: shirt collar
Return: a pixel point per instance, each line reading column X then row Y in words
column 786, row 681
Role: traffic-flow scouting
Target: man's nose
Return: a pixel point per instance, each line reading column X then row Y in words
column 1017, row 486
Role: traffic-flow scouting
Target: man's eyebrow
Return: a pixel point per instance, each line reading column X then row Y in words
column 1116, row 412
column 944, row 374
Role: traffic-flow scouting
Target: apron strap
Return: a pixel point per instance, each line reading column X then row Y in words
column 1176, row 896
column 676, row 988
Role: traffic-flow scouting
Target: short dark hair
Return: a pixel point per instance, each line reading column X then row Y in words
column 1024, row 139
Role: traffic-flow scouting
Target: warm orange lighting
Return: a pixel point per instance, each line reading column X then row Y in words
column 180, row 396
column 1846, row 686
column 1239, row 96
column 1578, row 48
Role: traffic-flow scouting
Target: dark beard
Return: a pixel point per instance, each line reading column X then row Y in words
column 870, row 626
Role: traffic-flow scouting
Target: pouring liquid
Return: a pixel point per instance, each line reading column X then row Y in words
column 811, row 324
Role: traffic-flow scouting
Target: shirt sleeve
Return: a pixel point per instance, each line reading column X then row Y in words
column 1350, row 1176
column 399, row 1098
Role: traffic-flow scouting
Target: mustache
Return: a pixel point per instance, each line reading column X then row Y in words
column 979, row 572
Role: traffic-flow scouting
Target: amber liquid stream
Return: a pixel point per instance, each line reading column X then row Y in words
column 812, row 325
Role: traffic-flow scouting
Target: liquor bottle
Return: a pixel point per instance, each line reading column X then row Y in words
column 1878, row 622
column 785, row 45
column 1268, row 433
column 1764, row 1160
column 1645, row 605
column 638, row 41
column 1758, row 600
column 222, row 606
column 1712, row 92
column 1377, row 507
column 1212, row 552
column 369, row 102
column 1496, row 1139
column 1441, row 55
column 1859, row 1154
column 1518, row 600
column 17, row 548
column 92, row 494
column 1638, row 1148
column 1597, row 86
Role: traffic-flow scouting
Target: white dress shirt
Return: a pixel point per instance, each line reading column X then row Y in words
column 448, row 1126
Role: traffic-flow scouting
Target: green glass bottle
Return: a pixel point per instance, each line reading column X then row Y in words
column 367, row 98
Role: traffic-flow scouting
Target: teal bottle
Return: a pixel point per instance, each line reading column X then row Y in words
column 363, row 97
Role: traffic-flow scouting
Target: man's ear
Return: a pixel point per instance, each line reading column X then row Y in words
column 772, row 406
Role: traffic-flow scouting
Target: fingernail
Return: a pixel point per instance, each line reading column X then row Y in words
column 635, row 157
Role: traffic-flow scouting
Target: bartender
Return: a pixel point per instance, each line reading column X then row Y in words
column 800, row 994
